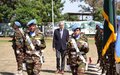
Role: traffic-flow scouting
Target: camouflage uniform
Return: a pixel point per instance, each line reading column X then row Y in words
column 100, row 47
column 98, row 43
column 18, row 44
column 73, row 60
column 33, row 63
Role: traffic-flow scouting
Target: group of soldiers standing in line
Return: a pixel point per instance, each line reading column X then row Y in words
column 28, row 45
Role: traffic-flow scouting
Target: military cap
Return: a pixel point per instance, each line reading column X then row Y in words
column 75, row 26
column 32, row 22
column 17, row 23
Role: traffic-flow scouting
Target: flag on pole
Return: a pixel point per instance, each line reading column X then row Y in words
column 109, row 30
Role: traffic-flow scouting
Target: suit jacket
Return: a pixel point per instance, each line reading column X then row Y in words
column 58, row 42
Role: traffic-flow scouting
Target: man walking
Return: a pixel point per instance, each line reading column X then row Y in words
column 77, row 47
column 60, row 40
column 18, row 45
column 34, row 44
column 98, row 42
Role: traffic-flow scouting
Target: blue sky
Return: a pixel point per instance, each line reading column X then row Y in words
column 70, row 7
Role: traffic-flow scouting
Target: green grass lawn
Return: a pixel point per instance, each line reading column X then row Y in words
column 1, row 41
column 91, row 41
column 47, row 40
column 4, row 42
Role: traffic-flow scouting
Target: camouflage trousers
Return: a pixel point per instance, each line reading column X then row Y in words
column 78, row 69
column 19, row 54
column 99, row 52
column 33, row 65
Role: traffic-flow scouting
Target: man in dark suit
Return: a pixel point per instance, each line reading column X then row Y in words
column 60, row 40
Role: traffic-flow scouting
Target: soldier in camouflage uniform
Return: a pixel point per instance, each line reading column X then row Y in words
column 18, row 46
column 100, row 42
column 100, row 47
column 76, row 64
column 97, row 41
column 33, row 56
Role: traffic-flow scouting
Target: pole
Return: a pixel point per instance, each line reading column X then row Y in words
column 114, row 14
column 52, row 17
column 112, row 59
column 116, row 7
column 116, row 29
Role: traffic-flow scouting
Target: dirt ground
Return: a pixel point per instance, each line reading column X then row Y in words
column 8, row 63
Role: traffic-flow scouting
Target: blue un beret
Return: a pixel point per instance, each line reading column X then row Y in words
column 17, row 23
column 32, row 22
column 75, row 26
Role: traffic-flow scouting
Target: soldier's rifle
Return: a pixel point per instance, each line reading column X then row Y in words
column 79, row 53
column 27, row 38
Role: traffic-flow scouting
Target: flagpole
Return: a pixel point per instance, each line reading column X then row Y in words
column 112, row 53
column 114, row 14
column 115, row 28
column 52, row 17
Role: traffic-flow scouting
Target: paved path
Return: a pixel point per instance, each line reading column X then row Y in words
column 8, row 63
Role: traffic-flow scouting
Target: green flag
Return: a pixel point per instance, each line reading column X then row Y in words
column 109, row 30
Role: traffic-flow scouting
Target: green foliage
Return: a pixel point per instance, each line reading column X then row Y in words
column 97, row 8
column 98, row 14
column 25, row 14
column 4, row 13
column 57, row 12
column 25, row 10
column 118, row 12
column 71, row 18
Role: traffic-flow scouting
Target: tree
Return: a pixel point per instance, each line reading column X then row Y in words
column 25, row 10
column 118, row 8
column 4, row 13
column 71, row 18
column 97, row 8
column 58, row 7
column 6, row 6
column 98, row 15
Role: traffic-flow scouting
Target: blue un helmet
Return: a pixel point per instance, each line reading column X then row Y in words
column 75, row 26
column 17, row 23
column 32, row 22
